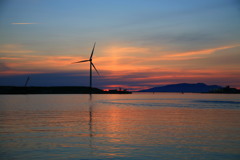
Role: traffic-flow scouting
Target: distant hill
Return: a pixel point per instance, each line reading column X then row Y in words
column 184, row 87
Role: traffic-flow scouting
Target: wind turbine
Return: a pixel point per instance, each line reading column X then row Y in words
column 28, row 78
column 91, row 65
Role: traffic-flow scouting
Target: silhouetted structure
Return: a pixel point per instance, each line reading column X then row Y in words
column 56, row 90
column 26, row 83
column 91, row 65
column 226, row 89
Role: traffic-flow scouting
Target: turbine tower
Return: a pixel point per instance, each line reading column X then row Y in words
column 91, row 65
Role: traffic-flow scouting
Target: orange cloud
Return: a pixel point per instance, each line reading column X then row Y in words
column 132, row 58
column 125, row 58
column 202, row 52
column 9, row 58
column 17, row 72
column 119, row 50
column 42, row 63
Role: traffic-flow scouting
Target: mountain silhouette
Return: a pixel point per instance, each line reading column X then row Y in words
column 184, row 87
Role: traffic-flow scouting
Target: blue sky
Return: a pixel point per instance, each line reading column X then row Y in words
column 140, row 43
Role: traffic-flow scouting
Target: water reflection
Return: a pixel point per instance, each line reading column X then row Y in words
column 90, row 115
column 91, row 134
column 90, row 129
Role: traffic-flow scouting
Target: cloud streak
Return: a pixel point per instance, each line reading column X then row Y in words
column 203, row 52
column 24, row 23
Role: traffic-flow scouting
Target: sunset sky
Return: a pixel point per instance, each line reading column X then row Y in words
column 139, row 43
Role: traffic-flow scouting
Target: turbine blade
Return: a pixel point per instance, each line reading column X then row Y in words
column 81, row 61
column 92, row 50
column 95, row 68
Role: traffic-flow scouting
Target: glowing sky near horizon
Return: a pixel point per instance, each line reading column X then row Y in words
column 140, row 43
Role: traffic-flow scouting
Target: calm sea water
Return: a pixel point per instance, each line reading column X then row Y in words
column 137, row 126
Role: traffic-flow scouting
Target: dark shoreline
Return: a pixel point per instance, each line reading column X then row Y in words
column 57, row 90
